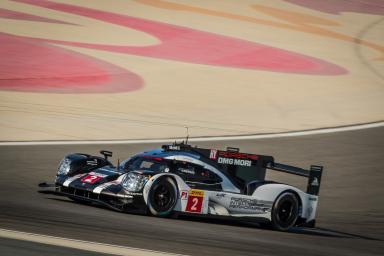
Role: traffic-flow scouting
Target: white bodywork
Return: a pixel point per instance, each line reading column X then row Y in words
column 228, row 203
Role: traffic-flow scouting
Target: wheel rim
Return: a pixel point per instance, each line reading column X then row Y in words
column 285, row 212
column 163, row 197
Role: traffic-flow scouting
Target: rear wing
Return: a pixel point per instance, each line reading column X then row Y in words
column 313, row 174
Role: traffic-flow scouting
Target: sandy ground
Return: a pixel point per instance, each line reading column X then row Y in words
column 209, row 99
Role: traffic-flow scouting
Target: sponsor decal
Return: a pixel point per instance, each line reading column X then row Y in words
column 173, row 147
column 237, row 155
column 220, row 195
column 133, row 193
column 188, row 171
column 213, row 154
column 196, row 192
column 91, row 178
column 184, row 195
column 92, row 162
column 231, row 161
column 250, row 204
column 195, row 201
column 315, row 182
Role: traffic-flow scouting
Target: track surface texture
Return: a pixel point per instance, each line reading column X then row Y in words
column 350, row 216
column 11, row 247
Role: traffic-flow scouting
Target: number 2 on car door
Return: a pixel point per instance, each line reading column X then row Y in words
column 195, row 201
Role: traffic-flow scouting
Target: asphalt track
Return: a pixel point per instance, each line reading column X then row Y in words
column 350, row 216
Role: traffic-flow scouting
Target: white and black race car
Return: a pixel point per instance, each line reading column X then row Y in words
column 181, row 179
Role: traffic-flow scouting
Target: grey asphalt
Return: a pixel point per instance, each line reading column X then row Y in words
column 350, row 215
column 12, row 247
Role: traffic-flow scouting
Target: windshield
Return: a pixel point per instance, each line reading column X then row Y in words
column 144, row 164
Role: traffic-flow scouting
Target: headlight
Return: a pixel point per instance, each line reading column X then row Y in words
column 134, row 182
column 64, row 167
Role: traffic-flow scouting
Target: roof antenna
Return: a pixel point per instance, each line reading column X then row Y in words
column 186, row 141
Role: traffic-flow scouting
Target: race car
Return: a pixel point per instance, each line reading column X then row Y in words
column 182, row 179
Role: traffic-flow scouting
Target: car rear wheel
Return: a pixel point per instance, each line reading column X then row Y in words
column 162, row 197
column 285, row 211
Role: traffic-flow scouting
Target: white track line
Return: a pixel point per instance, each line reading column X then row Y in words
column 81, row 245
column 202, row 139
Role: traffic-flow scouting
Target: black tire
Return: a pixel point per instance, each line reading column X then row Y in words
column 162, row 197
column 285, row 211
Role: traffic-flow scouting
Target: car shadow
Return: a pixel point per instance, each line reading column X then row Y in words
column 318, row 231
column 335, row 233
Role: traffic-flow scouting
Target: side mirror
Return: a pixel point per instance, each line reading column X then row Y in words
column 106, row 154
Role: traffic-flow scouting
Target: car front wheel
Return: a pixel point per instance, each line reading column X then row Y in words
column 162, row 197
